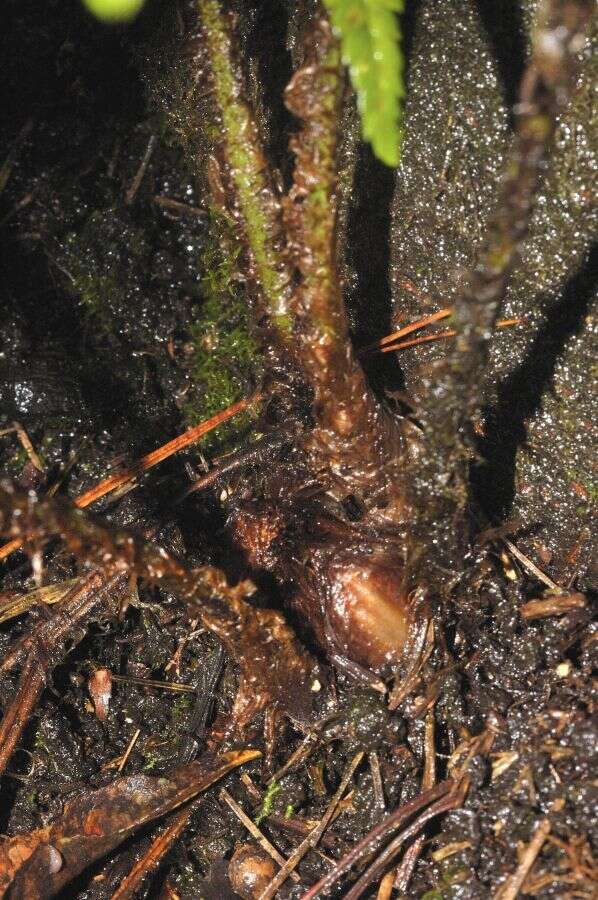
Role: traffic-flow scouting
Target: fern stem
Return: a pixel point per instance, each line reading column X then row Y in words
column 351, row 426
column 238, row 174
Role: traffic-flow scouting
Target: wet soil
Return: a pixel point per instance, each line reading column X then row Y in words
column 107, row 300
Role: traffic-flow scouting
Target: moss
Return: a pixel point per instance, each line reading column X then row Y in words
column 266, row 807
column 444, row 891
column 180, row 709
column 225, row 361
column 101, row 261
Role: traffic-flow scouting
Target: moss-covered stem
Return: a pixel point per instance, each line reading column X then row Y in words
column 455, row 386
column 352, row 433
column 238, row 174
column 545, row 88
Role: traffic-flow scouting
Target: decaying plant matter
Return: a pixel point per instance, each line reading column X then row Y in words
column 360, row 515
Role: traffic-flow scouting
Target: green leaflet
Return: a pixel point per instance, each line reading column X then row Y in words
column 370, row 44
column 114, row 10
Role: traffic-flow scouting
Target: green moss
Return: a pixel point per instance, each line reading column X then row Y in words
column 89, row 258
column 444, row 891
column 180, row 709
column 225, row 361
column 266, row 807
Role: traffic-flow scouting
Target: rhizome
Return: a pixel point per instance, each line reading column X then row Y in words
column 355, row 574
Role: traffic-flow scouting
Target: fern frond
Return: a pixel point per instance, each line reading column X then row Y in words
column 371, row 49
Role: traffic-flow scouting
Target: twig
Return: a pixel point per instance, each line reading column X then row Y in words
column 156, row 851
column 405, row 870
column 531, row 566
column 407, row 329
column 375, row 838
column 155, row 683
column 304, row 749
column 149, row 460
column 253, row 455
column 418, row 649
column 450, row 801
column 29, row 688
column 205, row 691
column 293, row 824
column 377, row 780
column 314, row 836
column 79, row 601
column 86, row 596
column 7, row 166
column 255, row 832
column 51, row 593
column 136, row 183
column 552, row 606
column 510, row 889
column 403, row 345
column 386, row 887
column 28, row 447
column 129, row 750
column 175, row 206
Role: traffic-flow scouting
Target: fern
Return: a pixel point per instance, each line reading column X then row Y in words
column 370, row 44
column 114, row 10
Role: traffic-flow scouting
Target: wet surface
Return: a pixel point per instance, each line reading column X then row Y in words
column 104, row 306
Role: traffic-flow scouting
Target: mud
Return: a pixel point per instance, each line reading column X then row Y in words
column 110, row 313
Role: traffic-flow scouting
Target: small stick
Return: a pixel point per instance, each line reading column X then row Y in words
column 251, row 456
column 552, row 606
column 175, row 206
column 377, row 780
column 404, row 871
column 204, row 703
column 531, row 567
column 314, row 836
column 136, row 183
column 158, row 848
column 28, row 446
column 129, row 750
column 446, row 803
column 386, row 887
column 81, row 600
column 7, row 166
column 304, row 749
column 255, row 832
column 407, row 329
column 502, row 323
column 154, row 683
column 31, row 684
column 16, row 605
column 370, row 843
column 510, row 889
column 149, row 460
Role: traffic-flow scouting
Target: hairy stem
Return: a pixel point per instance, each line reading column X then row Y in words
column 455, row 385
column 352, row 433
column 238, row 174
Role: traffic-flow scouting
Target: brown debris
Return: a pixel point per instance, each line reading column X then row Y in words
column 39, row 864
column 44, row 647
column 100, row 689
column 376, row 837
column 510, row 889
column 277, row 672
column 552, row 606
